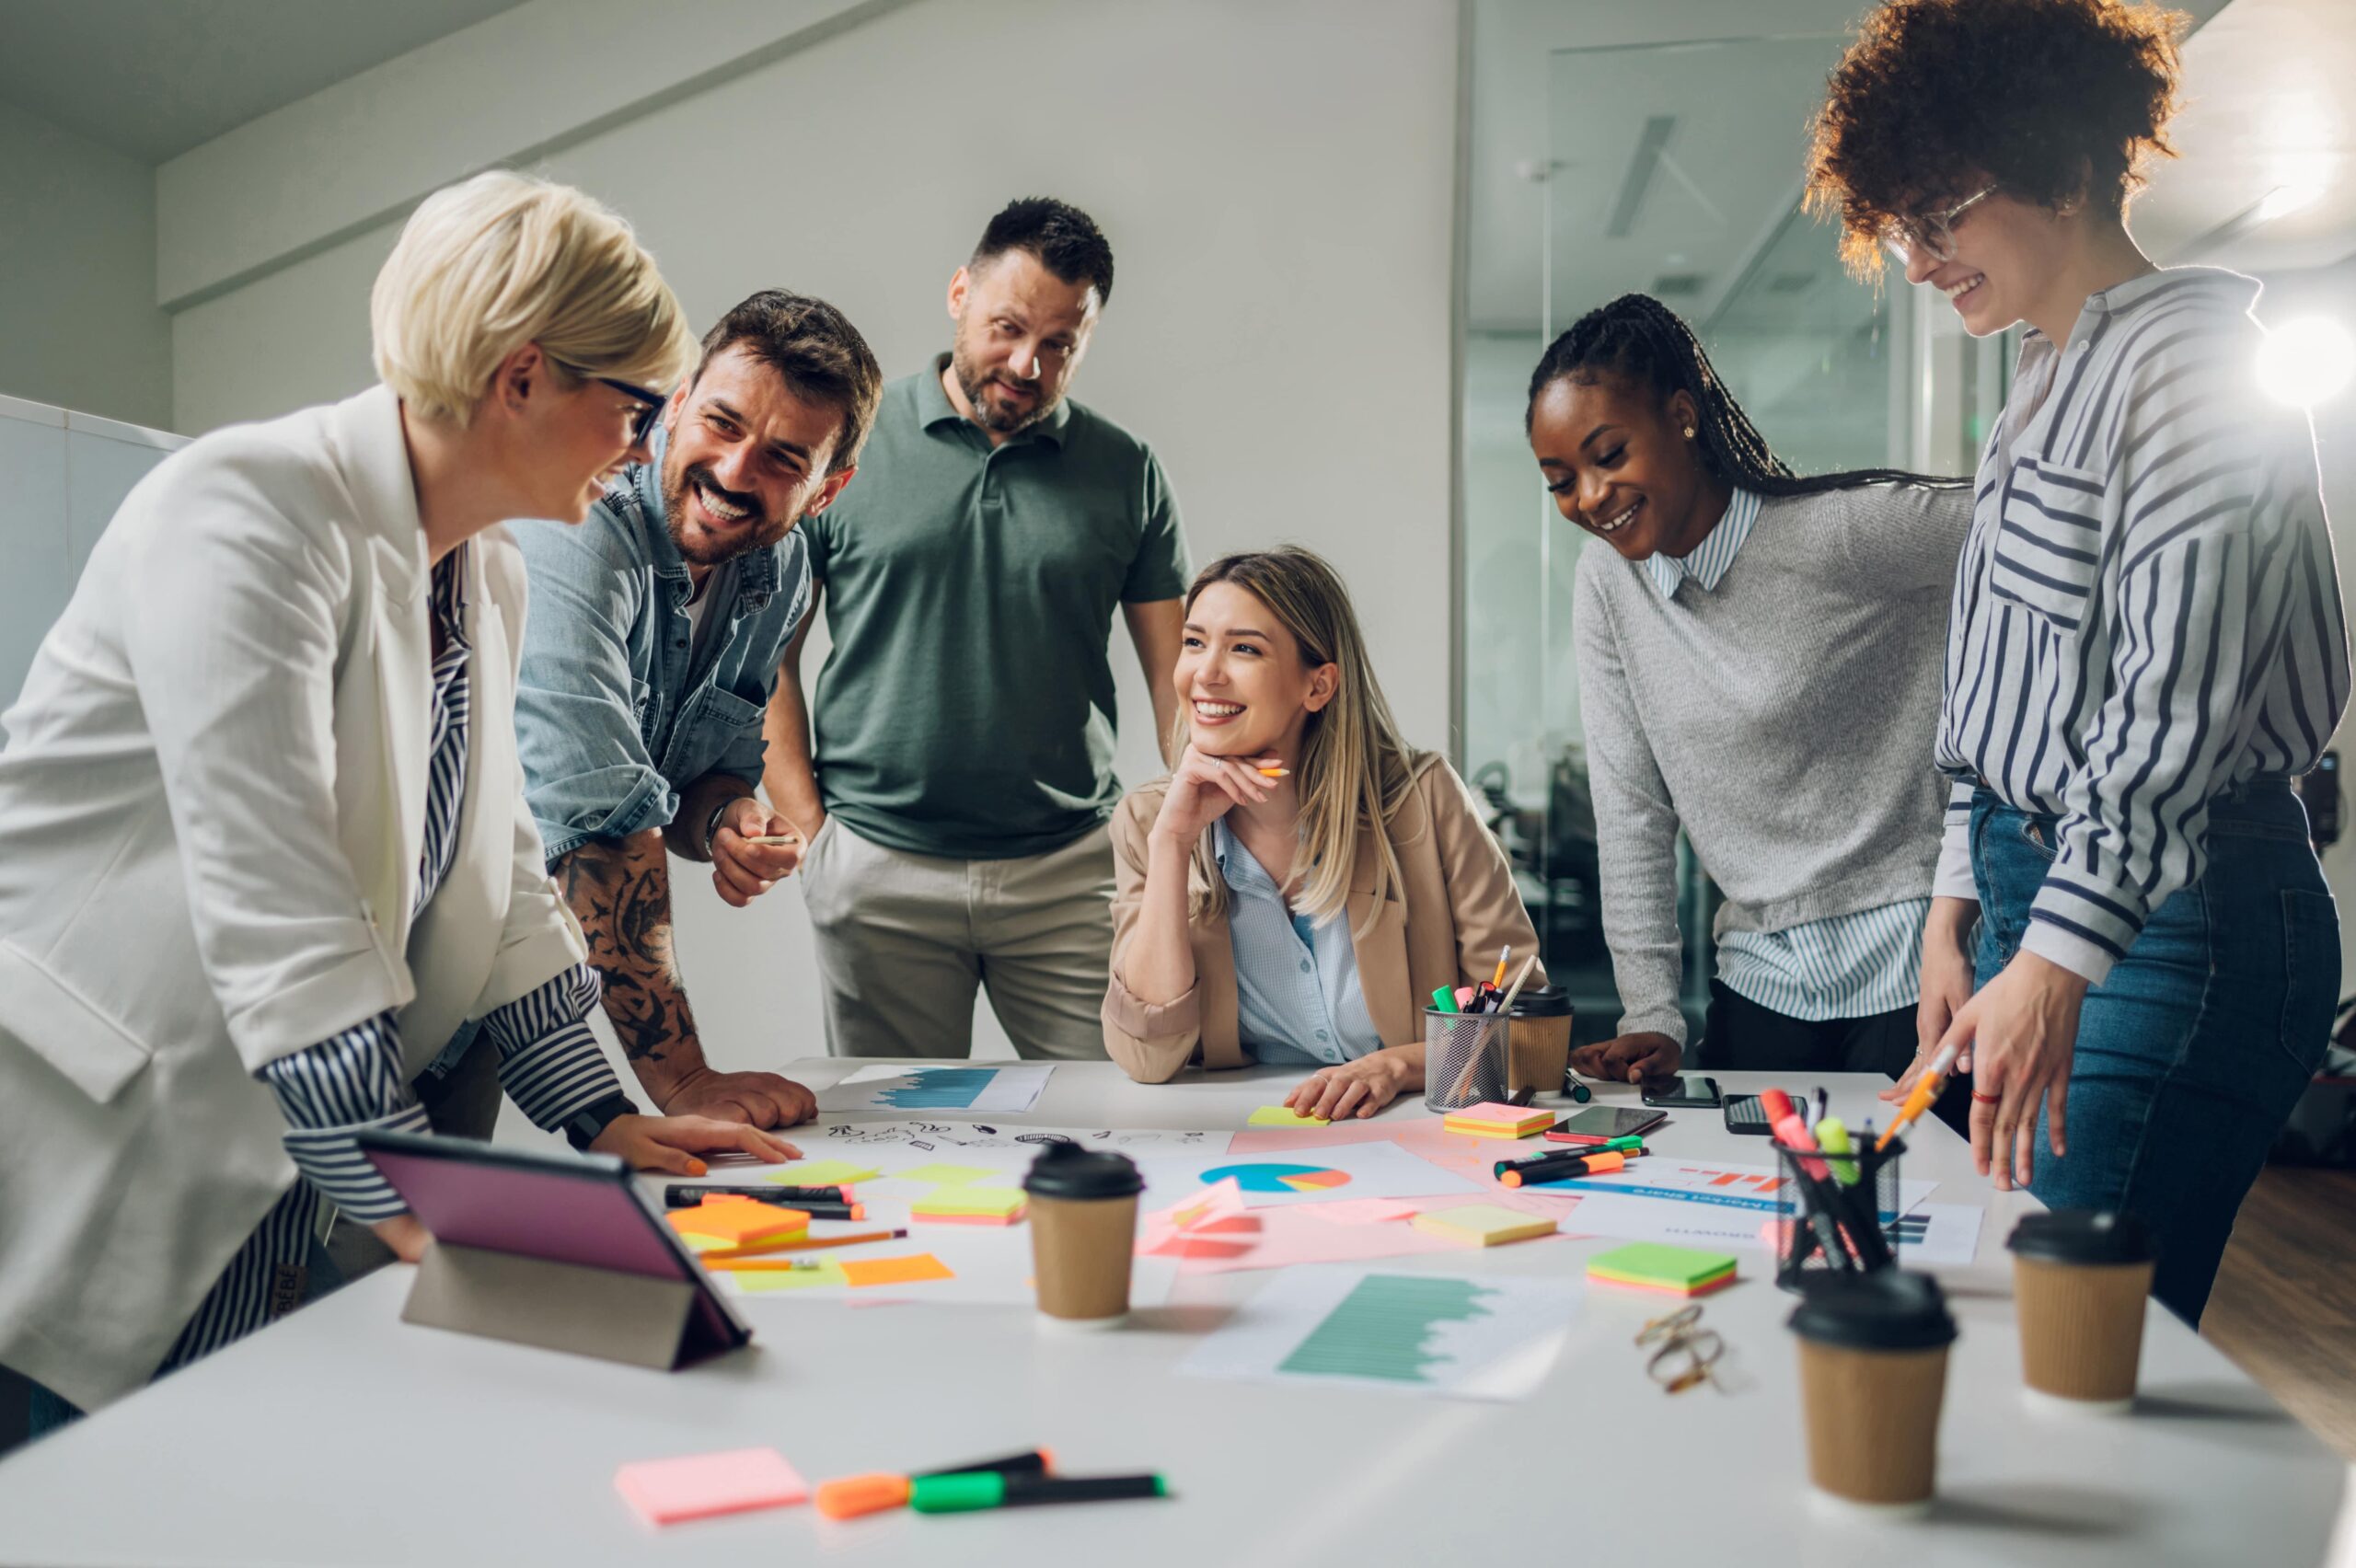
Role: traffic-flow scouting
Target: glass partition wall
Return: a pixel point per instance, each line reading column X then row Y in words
column 1672, row 170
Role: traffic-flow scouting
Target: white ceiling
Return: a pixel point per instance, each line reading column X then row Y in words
column 151, row 78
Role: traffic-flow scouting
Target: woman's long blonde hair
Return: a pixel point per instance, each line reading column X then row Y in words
column 1354, row 769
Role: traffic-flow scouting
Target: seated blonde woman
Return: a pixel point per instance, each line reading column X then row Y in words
column 264, row 845
column 1301, row 883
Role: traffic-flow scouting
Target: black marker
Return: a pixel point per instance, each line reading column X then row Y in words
column 681, row 1195
column 988, row 1488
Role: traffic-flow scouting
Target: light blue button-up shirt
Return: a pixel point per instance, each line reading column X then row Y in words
column 619, row 707
column 1298, row 997
column 1850, row 965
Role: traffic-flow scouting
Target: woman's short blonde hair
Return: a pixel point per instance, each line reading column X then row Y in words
column 494, row 262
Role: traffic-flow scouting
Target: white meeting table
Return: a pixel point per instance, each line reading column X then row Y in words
column 342, row 1436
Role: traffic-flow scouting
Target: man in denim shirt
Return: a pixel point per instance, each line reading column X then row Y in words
column 650, row 653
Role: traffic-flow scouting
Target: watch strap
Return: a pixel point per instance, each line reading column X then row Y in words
column 585, row 1125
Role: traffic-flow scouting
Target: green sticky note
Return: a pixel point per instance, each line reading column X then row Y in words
column 994, row 1202
column 944, row 1175
column 704, row 1244
column 1285, row 1116
column 822, row 1173
column 1655, row 1262
column 761, row 1282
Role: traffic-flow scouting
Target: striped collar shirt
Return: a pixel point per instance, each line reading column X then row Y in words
column 2147, row 612
column 1708, row 563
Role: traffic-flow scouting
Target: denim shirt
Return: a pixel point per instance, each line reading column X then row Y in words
column 615, row 716
column 1297, row 991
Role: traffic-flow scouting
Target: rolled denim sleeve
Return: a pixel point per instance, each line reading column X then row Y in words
column 586, row 771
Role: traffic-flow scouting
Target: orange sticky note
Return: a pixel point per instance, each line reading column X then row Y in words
column 743, row 1224
column 896, row 1271
column 699, row 1485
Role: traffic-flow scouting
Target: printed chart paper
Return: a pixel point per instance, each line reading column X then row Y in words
column 1314, row 1175
column 884, row 1086
column 1403, row 1333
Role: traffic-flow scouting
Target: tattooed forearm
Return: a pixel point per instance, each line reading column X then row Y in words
column 620, row 892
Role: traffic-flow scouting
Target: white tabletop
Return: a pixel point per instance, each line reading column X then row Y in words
column 342, row 1436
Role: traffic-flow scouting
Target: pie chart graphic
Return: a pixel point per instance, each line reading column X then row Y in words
column 1269, row 1178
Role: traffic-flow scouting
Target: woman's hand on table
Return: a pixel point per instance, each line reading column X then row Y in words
column 1628, row 1058
column 671, row 1143
column 1360, row 1087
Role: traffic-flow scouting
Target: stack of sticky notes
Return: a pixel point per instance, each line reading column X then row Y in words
column 1495, row 1121
column 971, row 1206
column 1284, row 1116
column 1483, row 1225
column 664, row 1492
column 1652, row 1265
column 740, row 1222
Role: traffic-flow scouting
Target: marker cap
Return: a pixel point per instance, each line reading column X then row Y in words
column 856, row 1494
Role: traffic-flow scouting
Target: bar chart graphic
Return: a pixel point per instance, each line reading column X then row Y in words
column 1383, row 1328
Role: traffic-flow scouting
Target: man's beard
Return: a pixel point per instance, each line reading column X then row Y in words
column 974, row 381
column 756, row 533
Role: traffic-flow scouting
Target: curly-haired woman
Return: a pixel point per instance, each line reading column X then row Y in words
column 2145, row 643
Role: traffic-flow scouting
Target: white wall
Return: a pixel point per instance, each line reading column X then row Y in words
column 79, row 326
column 1278, row 185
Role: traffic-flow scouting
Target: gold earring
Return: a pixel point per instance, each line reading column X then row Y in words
column 1689, row 433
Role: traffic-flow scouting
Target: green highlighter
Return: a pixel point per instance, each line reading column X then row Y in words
column 994, row 1489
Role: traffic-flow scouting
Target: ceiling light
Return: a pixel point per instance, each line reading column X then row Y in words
column 2306, row 362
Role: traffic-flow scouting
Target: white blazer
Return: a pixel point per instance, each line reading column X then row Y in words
column 212, row 812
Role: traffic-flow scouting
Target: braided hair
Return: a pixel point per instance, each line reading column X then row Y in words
column 1639, row 338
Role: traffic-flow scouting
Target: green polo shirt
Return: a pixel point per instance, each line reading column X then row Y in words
column 967, row 709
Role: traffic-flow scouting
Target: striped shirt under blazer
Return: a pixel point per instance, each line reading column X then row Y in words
column 2147, row 613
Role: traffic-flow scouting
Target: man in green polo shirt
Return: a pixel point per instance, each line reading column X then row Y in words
column 955, row 799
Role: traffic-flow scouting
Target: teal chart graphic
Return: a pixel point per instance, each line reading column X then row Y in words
column 1383, row 1329
column 1263, row 1177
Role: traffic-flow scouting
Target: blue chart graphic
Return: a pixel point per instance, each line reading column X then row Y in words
column 937, row 1088
column 1259, row 1177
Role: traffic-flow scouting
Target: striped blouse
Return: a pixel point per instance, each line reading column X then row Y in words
column 2147, row 611
column 549, row 1063
column 1854, row 966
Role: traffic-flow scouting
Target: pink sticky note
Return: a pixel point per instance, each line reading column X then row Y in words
column 696, row 1486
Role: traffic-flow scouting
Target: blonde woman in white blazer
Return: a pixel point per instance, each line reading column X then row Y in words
column 263, row 841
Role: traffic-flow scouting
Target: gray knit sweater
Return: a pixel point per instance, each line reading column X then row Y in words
column 1784, row 720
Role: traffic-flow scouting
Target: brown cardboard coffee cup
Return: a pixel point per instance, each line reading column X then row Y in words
column 1538, row 1040
column 1873, row 1375
column 2080, row 1277
column 1083, row 1231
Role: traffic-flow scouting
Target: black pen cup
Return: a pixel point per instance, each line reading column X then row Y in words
column 1835, row 1214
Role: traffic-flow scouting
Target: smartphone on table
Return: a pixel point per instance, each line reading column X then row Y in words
column 1681, row 1089
column 1598, row 1123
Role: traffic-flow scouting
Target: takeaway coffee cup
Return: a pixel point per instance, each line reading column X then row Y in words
column 1539, row 1040
column 1083, row 1230
column 1873, row 1372
column 2080, row 1277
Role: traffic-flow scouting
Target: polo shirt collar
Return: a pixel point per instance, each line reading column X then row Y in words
column 933, row 407
column 757, row 573
column 1708, row 563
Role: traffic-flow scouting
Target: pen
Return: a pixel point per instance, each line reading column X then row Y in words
column 1832, row 1137
column 1443, row 999
column 990, row 1489
column 1620, row 1145
column 1561, row 1169
column 856, row 1494
column 1626, row 1148
column 679, row 1194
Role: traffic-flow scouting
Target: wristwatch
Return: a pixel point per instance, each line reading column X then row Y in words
column 584, row 1125
column 711, row 823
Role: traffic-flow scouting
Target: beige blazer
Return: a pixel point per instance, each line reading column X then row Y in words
column 212, row 814
column 1458, row 906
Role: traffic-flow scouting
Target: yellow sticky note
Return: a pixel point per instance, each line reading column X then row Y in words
column 979, row 1206
column 1483, row 1225
column 944, row 1175
column 1285, row 1116
column 896, row 1271
column 761, row 1282
column 822, row 1173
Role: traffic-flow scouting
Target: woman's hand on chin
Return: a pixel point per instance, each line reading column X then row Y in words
column 1204, row 789
column 1361, row 1087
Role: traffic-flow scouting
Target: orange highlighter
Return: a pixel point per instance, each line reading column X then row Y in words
column 856, row 1494
column 1917, row 1100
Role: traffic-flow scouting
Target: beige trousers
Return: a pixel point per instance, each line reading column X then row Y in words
column 904, row 940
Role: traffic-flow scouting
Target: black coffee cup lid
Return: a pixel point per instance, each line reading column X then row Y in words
column 1542, row 1001
column 2083, row 1235
column 1068, row 1170
column 1888, row 1310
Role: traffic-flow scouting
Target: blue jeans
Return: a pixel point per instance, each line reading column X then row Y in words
column 2192, row 1052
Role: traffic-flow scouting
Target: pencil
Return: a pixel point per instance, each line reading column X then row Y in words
column 811, row 1244
column 1275, row 772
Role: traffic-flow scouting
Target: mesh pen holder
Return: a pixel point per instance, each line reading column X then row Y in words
column 1835, row 1214
column 1465, row 1059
